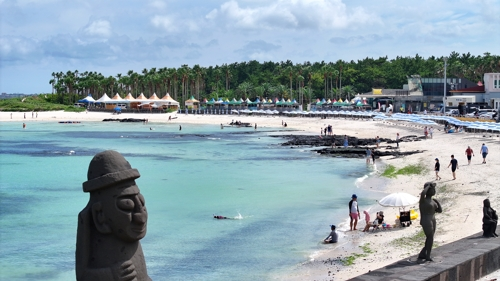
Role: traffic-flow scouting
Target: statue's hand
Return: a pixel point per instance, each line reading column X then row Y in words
column 126, row 271
column 438, row 209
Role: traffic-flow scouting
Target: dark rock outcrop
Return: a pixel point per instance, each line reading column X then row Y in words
column 333, row 145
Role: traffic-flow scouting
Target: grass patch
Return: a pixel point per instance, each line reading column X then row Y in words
column 442, row 189
column 412, row 242
column 349, row 260
column 391, row 171
column 45, row 102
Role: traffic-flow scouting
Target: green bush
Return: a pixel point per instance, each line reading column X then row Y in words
column 44, row 102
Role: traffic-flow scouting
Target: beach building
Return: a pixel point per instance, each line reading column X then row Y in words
column 427, row 94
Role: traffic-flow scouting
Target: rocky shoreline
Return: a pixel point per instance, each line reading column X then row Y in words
column 333, row 145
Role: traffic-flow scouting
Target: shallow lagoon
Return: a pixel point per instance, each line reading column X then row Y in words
column 286, row 198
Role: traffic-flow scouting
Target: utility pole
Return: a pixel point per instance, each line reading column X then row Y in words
column 444, row 85
column 340, row 96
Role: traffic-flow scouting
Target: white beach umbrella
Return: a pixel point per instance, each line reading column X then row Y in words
column 398, row 199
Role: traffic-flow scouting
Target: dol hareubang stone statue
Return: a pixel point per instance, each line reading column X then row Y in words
column 428, row 207
column 112, row 223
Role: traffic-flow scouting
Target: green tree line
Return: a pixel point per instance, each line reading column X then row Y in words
column 303, row 82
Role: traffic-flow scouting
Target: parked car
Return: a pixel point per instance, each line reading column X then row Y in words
column 486, row 115
column 451, row 112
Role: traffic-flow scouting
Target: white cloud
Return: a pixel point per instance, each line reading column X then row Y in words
column 157, row 4
column 173, row 24
column 294, row 14
column 98, row 28
column 17, row 48
column 164, row 22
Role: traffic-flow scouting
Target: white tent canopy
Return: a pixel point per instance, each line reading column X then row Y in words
column 104, row 99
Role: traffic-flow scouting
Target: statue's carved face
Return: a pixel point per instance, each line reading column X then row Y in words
column 125, row 212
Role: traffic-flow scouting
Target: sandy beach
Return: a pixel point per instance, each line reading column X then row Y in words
column 461, row 199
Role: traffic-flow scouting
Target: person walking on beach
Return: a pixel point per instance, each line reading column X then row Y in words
column 484, row 152
column 373, row 156
column 436, row 169
column 469, row 154
column 426, row 132
column 368, row 155
column 346, row 141
column 454, row 166
column 377, row 141
column 353, row 211
column 431, row 131
column 397, row 140
column 332, row 237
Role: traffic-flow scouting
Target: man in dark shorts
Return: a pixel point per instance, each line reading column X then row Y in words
column 454, row 165
column 436, row 169
column 469, row 154
column 484, row 152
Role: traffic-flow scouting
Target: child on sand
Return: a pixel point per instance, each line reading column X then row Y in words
column 367, row 220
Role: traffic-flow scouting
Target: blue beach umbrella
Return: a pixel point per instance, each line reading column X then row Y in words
column 118, row 108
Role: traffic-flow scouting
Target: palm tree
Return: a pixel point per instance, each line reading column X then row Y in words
column 227, row 73
column 308, row 93
column 120, row 82
column 280, row 90
column 245, row 88
column 290, row 72
column 348, row 91
column 259, row 92
column 268, row 88
column 218, row 75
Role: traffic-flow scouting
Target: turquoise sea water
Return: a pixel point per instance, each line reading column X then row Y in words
column 285, row 198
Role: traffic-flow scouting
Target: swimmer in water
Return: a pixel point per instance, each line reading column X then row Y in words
column 221, row 217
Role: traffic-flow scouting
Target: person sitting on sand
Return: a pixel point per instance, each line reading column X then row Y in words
column 332, row 237
column 380, row 218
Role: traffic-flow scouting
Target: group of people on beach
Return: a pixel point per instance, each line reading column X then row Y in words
column 355, row 216
column 454, row 162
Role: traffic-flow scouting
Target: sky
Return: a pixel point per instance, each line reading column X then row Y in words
column 38, row 37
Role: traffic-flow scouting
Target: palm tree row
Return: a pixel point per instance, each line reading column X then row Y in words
column 305, row 82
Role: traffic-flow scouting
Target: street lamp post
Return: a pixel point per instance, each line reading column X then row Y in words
column 340, row 82
column 444, row 85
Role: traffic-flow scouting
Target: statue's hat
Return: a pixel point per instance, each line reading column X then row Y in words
column 108, row 168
